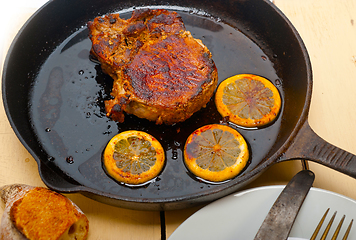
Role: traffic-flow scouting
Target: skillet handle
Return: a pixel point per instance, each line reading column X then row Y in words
column 309, row 146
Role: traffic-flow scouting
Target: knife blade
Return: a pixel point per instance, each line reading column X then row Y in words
column 279, row 220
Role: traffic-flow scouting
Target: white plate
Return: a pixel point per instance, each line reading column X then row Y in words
column 240, row 215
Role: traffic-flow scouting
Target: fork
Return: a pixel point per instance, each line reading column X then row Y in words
column 336, row 233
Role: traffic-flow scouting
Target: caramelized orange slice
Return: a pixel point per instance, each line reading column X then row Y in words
column 133, row 157
column 248, row 100
column 216, row 152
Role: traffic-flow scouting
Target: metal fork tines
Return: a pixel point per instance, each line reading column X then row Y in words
column 336, row 233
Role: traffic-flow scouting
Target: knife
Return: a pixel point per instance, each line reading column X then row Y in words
column 280, row 218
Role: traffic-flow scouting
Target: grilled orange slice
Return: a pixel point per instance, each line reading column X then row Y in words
column 216, row 152
column 248, row 100
column 133, row 157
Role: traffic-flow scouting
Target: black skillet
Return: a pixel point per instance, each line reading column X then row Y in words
column 53, row 96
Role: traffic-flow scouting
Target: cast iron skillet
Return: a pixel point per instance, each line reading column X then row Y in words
column 53, row 96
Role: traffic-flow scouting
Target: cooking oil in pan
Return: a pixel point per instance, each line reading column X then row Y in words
column 70, row 122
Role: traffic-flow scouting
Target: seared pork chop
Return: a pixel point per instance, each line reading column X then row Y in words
column 160, row 71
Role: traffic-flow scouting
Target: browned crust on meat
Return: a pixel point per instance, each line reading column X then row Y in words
column 160, row 71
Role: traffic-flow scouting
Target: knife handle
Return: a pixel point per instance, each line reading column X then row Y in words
column 281, row 217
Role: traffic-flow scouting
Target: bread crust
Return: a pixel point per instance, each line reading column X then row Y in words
column 39, row 213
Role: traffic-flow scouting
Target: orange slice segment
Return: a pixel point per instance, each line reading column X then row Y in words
column 216, row 152
column 248, row 100
column 133, row 157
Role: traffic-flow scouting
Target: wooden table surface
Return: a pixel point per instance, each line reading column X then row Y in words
column 328, row 29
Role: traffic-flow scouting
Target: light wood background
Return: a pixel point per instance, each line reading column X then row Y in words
column 328, row 28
